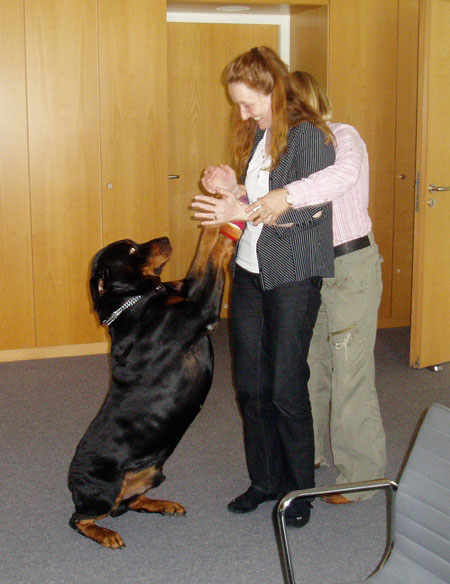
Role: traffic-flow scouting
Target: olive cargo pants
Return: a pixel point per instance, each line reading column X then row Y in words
column 341, row 359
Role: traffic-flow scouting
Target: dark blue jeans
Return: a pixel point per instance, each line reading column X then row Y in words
column 271, row 333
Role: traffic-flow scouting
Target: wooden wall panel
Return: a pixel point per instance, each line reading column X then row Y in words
column 16, row 284
column 309, row 41
column 133, row 109
column 362, row 89
column 82, row 116
column 404, row 202
column 64, row 165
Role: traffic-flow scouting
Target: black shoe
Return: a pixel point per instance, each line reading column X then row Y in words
column 298, row 514
column 250, row 500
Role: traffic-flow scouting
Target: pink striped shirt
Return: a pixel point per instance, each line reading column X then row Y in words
column 345, row 183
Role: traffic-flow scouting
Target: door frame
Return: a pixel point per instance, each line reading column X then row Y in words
column 272, row 14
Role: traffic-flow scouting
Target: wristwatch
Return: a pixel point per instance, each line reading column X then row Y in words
column 288, row 198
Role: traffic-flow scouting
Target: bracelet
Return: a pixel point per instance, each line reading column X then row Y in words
column 288, row 198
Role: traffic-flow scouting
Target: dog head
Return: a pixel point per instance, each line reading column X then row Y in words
column 126, row 268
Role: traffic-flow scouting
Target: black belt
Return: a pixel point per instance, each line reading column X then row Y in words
column 352, row 245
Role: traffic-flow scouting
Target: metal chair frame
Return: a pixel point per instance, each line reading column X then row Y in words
column 283, row 506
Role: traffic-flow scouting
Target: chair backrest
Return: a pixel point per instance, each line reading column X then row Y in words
column 421, row 553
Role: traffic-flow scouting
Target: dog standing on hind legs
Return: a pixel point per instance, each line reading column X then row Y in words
column 162, row 367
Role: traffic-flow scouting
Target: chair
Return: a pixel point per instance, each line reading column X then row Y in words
column 418, row 547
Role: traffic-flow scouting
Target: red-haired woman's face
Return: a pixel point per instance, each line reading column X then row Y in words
column 252, row 104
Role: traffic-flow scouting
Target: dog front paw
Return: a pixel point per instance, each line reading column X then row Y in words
column 101, row 535
column 145, row 505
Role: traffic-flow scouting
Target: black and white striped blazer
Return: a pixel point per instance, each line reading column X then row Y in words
column 289, row 254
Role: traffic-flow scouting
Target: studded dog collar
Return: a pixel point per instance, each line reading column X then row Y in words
column 129, row 302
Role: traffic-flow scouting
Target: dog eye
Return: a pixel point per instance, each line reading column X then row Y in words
column 132, row 250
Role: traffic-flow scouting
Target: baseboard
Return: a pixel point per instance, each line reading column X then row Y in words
column 54, row 352
column 388, row 322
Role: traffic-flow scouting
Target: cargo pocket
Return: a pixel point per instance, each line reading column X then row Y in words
column 341, row 340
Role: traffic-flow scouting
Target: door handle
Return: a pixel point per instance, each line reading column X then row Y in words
column 433, row 189
column 174, row 176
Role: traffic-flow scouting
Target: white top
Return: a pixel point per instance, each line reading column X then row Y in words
column 256, row 185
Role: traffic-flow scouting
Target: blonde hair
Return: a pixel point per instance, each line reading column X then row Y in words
column 312, row 92
column 262, row 70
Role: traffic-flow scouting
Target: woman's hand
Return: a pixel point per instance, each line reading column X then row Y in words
column 267, row 209
column 217, row 210
column 220, row 177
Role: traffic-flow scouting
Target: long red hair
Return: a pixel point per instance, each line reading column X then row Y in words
column 262, row 70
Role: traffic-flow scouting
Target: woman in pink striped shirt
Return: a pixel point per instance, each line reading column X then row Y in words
column 341, row 356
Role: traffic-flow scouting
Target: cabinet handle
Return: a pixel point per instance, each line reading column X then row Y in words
column 432, row 188
column 174, row 176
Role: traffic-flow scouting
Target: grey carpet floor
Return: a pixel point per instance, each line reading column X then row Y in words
column 45, row 407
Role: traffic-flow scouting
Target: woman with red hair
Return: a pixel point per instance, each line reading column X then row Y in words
column 278, row 272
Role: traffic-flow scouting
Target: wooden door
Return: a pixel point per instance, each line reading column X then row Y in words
column 133, row 110
column 62, row 81
column 198, row 115
column 16, row 278
column 430, row 326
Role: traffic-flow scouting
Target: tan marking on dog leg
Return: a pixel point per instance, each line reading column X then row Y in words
column 138, row 482
column 144, row 504
column 223, row 250
column 208, row 239
column 105, row 537
column 120, row 497
column 174, row 300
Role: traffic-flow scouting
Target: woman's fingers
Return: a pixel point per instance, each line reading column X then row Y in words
column 204, row 200
column 222, row 176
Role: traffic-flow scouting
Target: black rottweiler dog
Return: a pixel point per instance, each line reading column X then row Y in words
column 162, row 366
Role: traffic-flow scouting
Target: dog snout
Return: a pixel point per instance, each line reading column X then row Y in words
column 164, row 246
column 159, row 251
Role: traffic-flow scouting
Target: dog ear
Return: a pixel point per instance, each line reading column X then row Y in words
column 102, row 283
column 99, row 282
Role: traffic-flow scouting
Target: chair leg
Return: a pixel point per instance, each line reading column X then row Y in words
column 319, row 492
column 287, row 563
